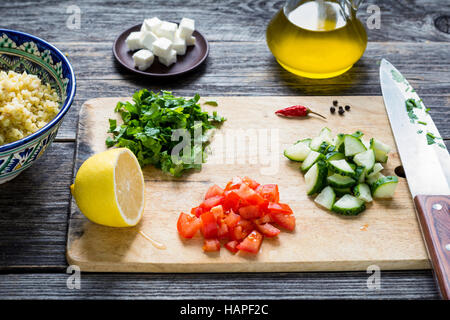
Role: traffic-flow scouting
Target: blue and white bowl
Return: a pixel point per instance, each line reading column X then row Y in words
column 21, row 52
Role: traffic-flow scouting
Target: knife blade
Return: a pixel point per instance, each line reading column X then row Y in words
column 426, row 163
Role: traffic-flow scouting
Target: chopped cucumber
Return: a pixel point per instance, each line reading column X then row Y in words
column 338, row 181
column 334, row 156
column 339, row 142
column 378, row 167
column 342, row 167
column 316, row 143
column 371, row 178
column 365, row 159
column 360, row 174
column 362, row 191
column 349, row 205
column 315, row 177
column 380, row 149
column 346, row 166
column 353, row 145
column 384, row 187
column 326, row 198
column 312, row 158
column 298, row 151
column 324, row 136
column 366, row 143
column 378, row 145
column 362, row 177
column 325, row 133
column 323, row 148
column 342, row 191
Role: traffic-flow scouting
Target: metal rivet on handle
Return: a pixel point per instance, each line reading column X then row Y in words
column 437, row 206
column 447, row 246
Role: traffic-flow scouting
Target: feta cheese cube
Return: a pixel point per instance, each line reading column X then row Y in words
column 167, row 30
column 143, row 59
column 186, row 28
column 147, row 39
column 133, row 41
column 169, row 59
column 179, row 45
column 152, row 24
column 190, row 41
column 162, row 47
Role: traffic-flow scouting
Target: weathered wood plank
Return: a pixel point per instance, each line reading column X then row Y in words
column 34, row 209
column 326, row 285
column 103, row 20
column 230, row 71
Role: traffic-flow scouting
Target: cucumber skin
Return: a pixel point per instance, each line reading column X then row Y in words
column 381, row 181
column 335, row 155
column 349, row 212
column 320, row 157
column 335, row 185
column 342, row 191
column 348, row 137
column 321, row 177
column 357, row 193
column 341, row 172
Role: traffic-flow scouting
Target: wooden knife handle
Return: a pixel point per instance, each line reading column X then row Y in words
column 434, row 217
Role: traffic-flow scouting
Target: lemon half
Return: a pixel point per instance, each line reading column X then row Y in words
column 109, row 188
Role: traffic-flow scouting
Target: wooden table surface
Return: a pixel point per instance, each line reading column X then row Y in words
column 34, row 207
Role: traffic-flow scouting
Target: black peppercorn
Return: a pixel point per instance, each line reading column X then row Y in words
column 332, row 109
column 335, row 103
column 341, row 111
column 347, row 107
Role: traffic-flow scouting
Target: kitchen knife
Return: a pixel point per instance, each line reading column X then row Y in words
column 426, row 163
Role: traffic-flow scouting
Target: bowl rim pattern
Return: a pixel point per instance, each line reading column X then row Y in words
column 69, row 95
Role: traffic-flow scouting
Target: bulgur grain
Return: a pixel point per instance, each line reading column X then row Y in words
column 26, row 105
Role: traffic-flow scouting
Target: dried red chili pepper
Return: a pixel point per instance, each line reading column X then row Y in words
column 296, row 111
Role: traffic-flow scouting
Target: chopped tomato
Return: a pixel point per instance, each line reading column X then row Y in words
column 209, row 225
column 217, row 211
column 197, row 211
column 247, row 226
column 279, row 208
column 214, row 191
column 268, row 230
column 242, row 213
column 251, row 243
column 237, row 233
column 250, row 212
column 284, row 220
column 231, row 201
column 269, row 192
column 235, row 183
column 232, row 219
column 231, row 246
column 222, row 232
column 211, row 245
column 251, row 183
column 211, row 202
column 264, row 219
column 188, row 225
column 249, row 195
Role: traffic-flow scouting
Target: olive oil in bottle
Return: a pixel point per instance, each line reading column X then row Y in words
column 316, row 39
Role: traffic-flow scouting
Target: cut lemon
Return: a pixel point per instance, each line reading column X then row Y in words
column 109, row 188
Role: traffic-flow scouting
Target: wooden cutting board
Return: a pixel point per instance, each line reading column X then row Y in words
column 386, row 234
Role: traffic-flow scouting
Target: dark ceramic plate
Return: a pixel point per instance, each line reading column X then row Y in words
column 195, row 55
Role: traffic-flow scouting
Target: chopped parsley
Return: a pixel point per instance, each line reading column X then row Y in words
column 211, row 103
column 150, row 126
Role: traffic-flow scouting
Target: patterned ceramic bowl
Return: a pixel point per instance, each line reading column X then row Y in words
column 23, row 52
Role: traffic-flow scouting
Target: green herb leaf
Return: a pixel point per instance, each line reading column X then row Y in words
column 149, row 123
column 397, row 76
column 211, row 103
